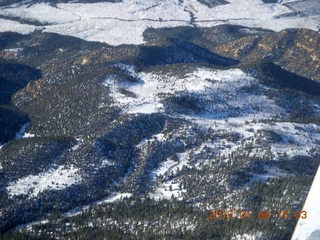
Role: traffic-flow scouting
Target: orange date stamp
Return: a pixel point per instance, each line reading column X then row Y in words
column 261, row 214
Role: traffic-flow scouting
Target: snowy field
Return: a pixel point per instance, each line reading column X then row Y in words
column 221, row 90
column 53, row 179
column 124, row 22
column 13, row 26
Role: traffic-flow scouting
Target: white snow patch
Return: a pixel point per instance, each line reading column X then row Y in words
column 271, row 172
column 13, row 26
column 112, row 31
column 77, row 145
column 31, row 224
column 220, row 89
column 309, row 228
column 275, row 172
column 54, row 179
column 28, row 135
column 41, row 12
column 124, row 22
column 113, row 198
column 22, row 131
column 160, row 137
column 168, row 190
column 142, row 142
column 183, row 160
column 117, row 197
column 250, row 13
column 165, row 167
column 106, row 162
column 13, row 52
column 299, row 139
column 172, row 187
column 247, row 236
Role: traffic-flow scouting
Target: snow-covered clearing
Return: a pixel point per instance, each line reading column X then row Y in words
column 231, row 100
column 53, row 179
column 116, row 197
column 223, row 91
column 124, row 22
column 165, row 167
column 250, row 13
column 271, row 172
column 170, row 188
column 296, row 139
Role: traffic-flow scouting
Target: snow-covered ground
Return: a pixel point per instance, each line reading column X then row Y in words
column 14, row 26
column 117, row 197
column 271, row 172
column 113, row 198
column 220, row 89
column 298, row 139
column 165, row 167
column 167, row 190
column 22, row 133
column 309, row 228
column 304, row 141
column 41, row 12
column 53, row 179
column 170, row 188
column 124, row 22
column 231, row 99
column 251, row 13
column 252, row 236
column 78, row 144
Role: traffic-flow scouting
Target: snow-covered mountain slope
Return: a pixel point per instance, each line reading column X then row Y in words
column 184, row 160
column 220, row 91
column 223, row 100
column 124, row 22
column 170, row 126
column 58, row 179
